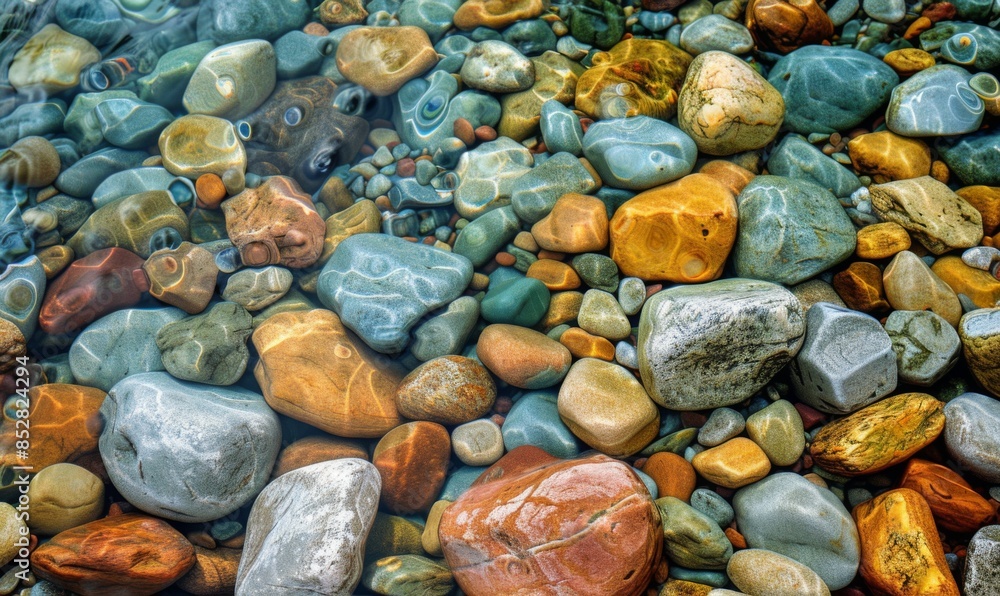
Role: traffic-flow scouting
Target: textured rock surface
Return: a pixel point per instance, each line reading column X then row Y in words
column 972, row 434
column 982, row 562
column 929, row 210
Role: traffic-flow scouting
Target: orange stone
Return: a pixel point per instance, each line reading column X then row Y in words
column 909, row 61
column 556, row 275
column 735, row 177
column 584, row 345
column 412, row 460
column 496, row 14
column 986, row 200
column 315, row 449
column 882, row 240
column 383, row 59
column 674, row 475
column 901, row 553
column 956, row 507
column 563, row 308
column 887, row 156
column 523, row 357
column 860, row 286
column 353, row 394
column 211, row 191
column 577, row 223
column 214, row 572
column 124, row 555
column 981, row 287
column 735, row 538
column 911, row 285
column 786, row 25
column 681, row 231
column 733, row 464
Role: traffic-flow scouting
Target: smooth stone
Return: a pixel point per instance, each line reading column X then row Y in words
column 535, row 194
column 168, row 81
column 796, row 158
column 84, row 177
column 909, row 61
column 99, row 22
column 726, row 106
column 777, row 429
column 433, row 16
column 383, row 59
column 607, row 408
column 733, row 464
column 955, row 505
column 232, row 80
column 885, row 11
column 484, row 13
column 523, row 357
column 716, row 33
column 30, row 162
column 887, row 156
column 534, row 420
column 12, row 529
column 926, row 346
column 882, row 240
column 723, row 424
column 497, row 67
column 81, row 123
column 930, row 211
column 214, row 571
column 560, row 128
column 597, row 22
column 631, row 295
column 478, row 443
column 50, row 62
column 307, row 530
column 980, row 337
column 142, row 223
column 716, row 344
column 714, row 506
column 576, row 224
column 905, row 273
column 522, row 301
column 405, row 293
column 291, row 343
column 100, row 557
column 973, row 158
column 759, row 572
column 257, row 288
column 184, row 277
column 119, row 345
column 362, row 217
column 337, row 13
column 601, row 315
column 638, row 153
column 790, row 230
column 393, row 535
column 255, row 19
column 782, row 26
column 445, row 334
column 935, row 102
column 531, row 37
column 22, row 289
column 38, row 118
column 691, row 538
column 313, row 450
column 412, row 460
column 970, row 434
column 486, row 177
column 137, row 180
column 982, row 560
column 298, row 54
column 197, row 144
column 830, row 88
column 791, row 516
column 130, row 123
column 964, row 43
column 446, row 390
column 398, row 574
column 208, row 348
column 63, row 496
column 555, row 79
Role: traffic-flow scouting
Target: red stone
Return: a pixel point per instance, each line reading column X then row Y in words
column 939, row 11
column 532, row 521
column 810, row 417
column 96, row 285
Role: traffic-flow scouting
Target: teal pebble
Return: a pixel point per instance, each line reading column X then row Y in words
column 459, row 481
column 534, row 420
column 713, row 505
column 299, row 54
column 433, row 16
column 32, row 119
column 842, row 11
column 482, row 238
column 716, row 32
column 97, row 21
column 82, row 178
column 935, row 102
column 224, row 530
column 797, row 158
column 987, row 42
column 533, row 37
column 561, row 129
column 648, row 482
column 166, row 84
column 255, row 19
column 974, row 158
column 516, row 302
column 638, row 153
column 656, row 21
column 716, row 579
column 597, row 271
column 535, row 193
column 885, row 11
column 447, row 332
column 131, row 123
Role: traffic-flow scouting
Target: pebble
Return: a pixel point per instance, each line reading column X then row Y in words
column 446, row 390
column 971, row 420
column 733, row 464
column 534, row 420
column 979, row 340
column 560, row 128
column 639, row 153
column 723, row 424
column 393, row 574
column 933, row 214
column 690, row 538
column 926, row 346
column 576, row 224
column 12, row 528
column 555, row 79
column 478, row 443
column 936, row 101
column 981, row 561
column 257, row 288
column 497, row 67
column 953, row 502
column 674, row 477
column 523, row 357
column 232, row 80
column 412, row 460
column 445, row 334
column 63, row 496
column 760, row 572
column 209, row 348
column 905, row 270
column 50, row 61
column 882, row 240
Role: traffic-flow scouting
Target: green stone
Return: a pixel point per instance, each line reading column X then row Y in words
column 481, row 239
column 691, row 538
column 166, row 84
column 597, row 271
column 521, row 302
column 597, row 22
column 408, row 575
column 208, row 348
column 392, row 535
column 675, row 442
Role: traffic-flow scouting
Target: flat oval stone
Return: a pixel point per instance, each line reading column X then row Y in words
column 970, row 433
column 232, row 80
column 977, row 285
column 478, row 443
column 690, row 538
column 534, row 420
column 497, row 67
column 130, row 123
column 716, row 344
column 926, row 346
column 383, row 59
column 674, row 476
column 22, row 290
column 445, row 334
column 523, row 357
column 100, row 557
column 412, row 460
column 955, row 505
column 979, row 331
column 791, row 516
column 757, row 572
column 199, row 471
column 783, row 26
column 518, row 301
column 307, row 530
column 577, row 223
column 447, row 390
column 142, row 223
column 733, row 464
column 933, row 214
column 935, row 102
column 878, row 436
column 257, row 288
column 50, row 61
column 882, row 240
column 888, row 156
column 715, row 32
column 638, row 153
column 778, row 429
column 64, row 496
column 982, row 561
column 197, row 144
column 30, row 161
column 601, row 315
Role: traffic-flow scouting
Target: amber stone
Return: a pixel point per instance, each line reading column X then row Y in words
column 315, row 370
column 383, row 59
column 184, row 277
column 213, row 573
column 878, row 436
column 211, row 191
column 577, row 223
column 584, row 345
column 563, row 308
column 447, row 390
column 124, row 555
column 603, row 540
column 275, row 224
column 980, row 287
column 732, row 175
column 55, row 259
column 733, row 464
column 556, row 275
column 496, row 14
column 911, row 285
column 362, row 217
column 681, row 231
column 908, row 61
column 860, row 286
column 901, row 553
column 141, row 223
column 12, row 345
column 955, row 505
column 523, row 357
column 412, row 460
column 785, row 25
column 882, row 240
column 674, row 475
column 315, row 449
column 887, row 156
column 986, row 200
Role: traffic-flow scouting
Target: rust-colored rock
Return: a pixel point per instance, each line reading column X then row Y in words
column 315, row 449
column 214, row 572
column 124, row 555
column 315, row 370
column 878, row 436
column 785, row 25
column 184, row 277
column 447, row 390
column 955, row 505
column 412, row 460
column 603, row 540
column 674, row 475
column 275, row 224
column 882, row 240
column 981, row 287
column 860, row 286
column 496, row 14
column 98, row 284
column 556, row 275
column 211, row 191
column 577, row 223
column 901, row 554
column 887, row 156
column 563, row 308
column 681, row 231
column 523, row 357
column 732, row 175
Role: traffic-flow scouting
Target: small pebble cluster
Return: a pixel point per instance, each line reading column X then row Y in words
column 489, row 297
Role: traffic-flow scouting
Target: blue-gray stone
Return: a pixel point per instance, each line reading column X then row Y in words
column 723, row 424
column 497, row 67
column 221, row 22
column 381, row 286
column 119, row 345
column 82, row 178
column 533, row 37
column 131, row 123
column 408, row 192
column 299, row 54
column 656, row 21
column 561, row 129
column 713, row 505
column 972, row 434
column 185, row 451
column 534, row 194
column 830, row 88
column 790, row 230
column 447, row 332
column 32, row 119
column 459, row 481
column 842, row 11
column 789, row 515
column 638, row 153
column 986, row 42
column 534, row 420
column 453, row 44
column 136, row 180
column 716, row 32
column 975, row 158
column 648, row 482
column 98, row 21
column 926, row 346
column 885, row 11
column 22, row 288
column 207, row 348
column 935, row 102
column 166, row 84
column 481, row 239
column 81, row 123
column 797, row 158
column 433, row 16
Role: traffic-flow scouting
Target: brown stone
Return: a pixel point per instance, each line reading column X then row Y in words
column 911, row 285
column 860, row 286
column 12, row 345
column 354, row 395
column 981, row 287
column 315, row 449
column 783, row 25
column 584, row 345
column 681, row 231
column 956, row 507
column 887, row 156
column 124, row 555
column 447, row 390
column 881, row 240
column 577, row 223
column 362, row 217
column 213, row 573
column 733, row 464
column 383, row 59
column 30, row 161
column 731, row 175
column 338, row 13
column 603, row 540
column 184, row 277
column 878, row 436
column 523, row 357
column 674, row 475
column 556, row 275
column 901, row 553
column 496, row 14
column 986, row 200
column 412, row 460
column 211, row 191
column 275, row 224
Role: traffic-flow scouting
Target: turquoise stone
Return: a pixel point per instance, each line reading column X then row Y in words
column 425, row 110
column 830, row 88
column 299, row 54
column 255, row 19
column 885, row 11
column 22, row 287
column 136, row 180
column 716, row 32
column 447, row 332
column 987, row 43
column 408, row 192
column 459, row 481
column 975, row 158
column 381, row 286
column 599, row 23
column 975, row 10
column 32, row 119
column 716, row 579
column 648, row 482
column 534, row 194
column 81, row 121
column 656, row 21
column 433, row 16
column 561, row 129
column 165, row 85
column 516, row 302
column 97, row 21
column 935, row 102
column 713, row 505
column 789, row 230
column 797, row 158
column 532, row 38
column 597, row 271
column 842, row 11
column 454, row 45
column 207, row 348
column 638, row 153
column 131, row 123
column 534, row 420
column 487, row 175
column 481, row 239
column 82, row 178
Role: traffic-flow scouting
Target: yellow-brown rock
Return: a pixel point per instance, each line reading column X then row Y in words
column 887, row 156
column 184, row 277
column 732, row 175
column 563, row 308
column 584, row 345
column 908, row 61
column 523, row 357
column 556, row 275
column 636, row 77
column 930, row 211
column 674, row 476
column 315, row 370
column 55, row 259
column 955, row 505
column 986, row 200
column 860, row 286
column 496, row 14
column 446, row 390
column 214, row 572
column 786, row 25
column 197, row 144
column 51, row 61
column 981, row 346
column 911, row 285
column 315, row 449
column 681, row 587
column 362, row 217
column 412, row 461
column 901, row 553
column 981, row 287
column 878, row 436
column 556, row 78
column 735, row 463
column 577, row 223
column 681, row 231
column 383, row 59
column 882, row 240
column 12, row 345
